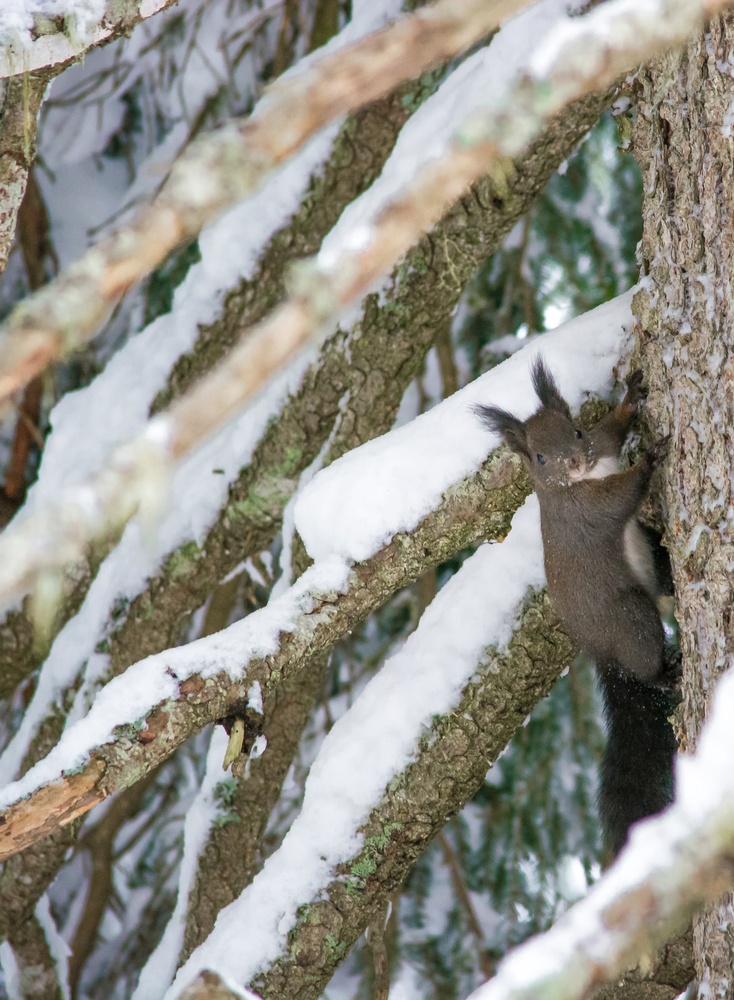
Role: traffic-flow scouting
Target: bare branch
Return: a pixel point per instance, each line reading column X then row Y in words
column 227, row 165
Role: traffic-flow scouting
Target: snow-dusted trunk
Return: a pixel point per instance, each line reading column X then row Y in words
column 684, row 145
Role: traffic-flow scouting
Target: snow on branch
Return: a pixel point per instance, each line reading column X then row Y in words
column 425, row 287
column 139, row 719
column 447, row 704
column 226, row 166
column 673, row 864
column 582, row 55
column 38, row 33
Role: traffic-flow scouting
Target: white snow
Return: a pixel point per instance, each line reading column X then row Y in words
column 19, row 52
column 129, row 698
column 355, row 506
column 620, row 24
column 10, row 971
column 17, row 18
column 477, row 608
column 57, row 946
column 255, row 697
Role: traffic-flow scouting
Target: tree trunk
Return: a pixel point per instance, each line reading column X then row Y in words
column 683, row 142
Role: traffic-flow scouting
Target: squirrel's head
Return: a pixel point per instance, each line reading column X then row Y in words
column 555, row 450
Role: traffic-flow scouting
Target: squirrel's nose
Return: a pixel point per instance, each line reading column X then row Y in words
column 573, row 462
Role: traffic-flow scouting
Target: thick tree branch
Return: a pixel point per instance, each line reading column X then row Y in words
column 685, row 333
column 452, row 765
column 480, row 506
column 225, row 166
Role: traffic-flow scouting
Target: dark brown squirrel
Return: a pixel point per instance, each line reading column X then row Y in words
column 602, row 581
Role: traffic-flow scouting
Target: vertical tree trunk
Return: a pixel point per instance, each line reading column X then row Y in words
column 683, row 140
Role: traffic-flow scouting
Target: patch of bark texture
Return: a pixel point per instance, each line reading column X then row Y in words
column 686, row 313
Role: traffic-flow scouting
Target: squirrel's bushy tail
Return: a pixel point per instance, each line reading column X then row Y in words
column 637, row 767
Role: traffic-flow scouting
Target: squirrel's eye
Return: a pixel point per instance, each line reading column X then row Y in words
column 541, row 459
column 579, row 434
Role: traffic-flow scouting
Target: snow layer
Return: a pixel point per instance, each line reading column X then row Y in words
column 17, row 18
column 355, row 506
column 160, row 968
column 477, row 608
column 10, row 972
column 57, row 946
column 130, row 697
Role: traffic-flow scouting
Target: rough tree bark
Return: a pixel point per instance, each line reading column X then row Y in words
column 683, row 142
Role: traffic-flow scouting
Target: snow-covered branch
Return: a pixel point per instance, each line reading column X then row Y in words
column 31, row 38
column 181, row 690
column 228, row 165
column 376, row 795
column 673, row 864
column 407, row 812
column 345, row 493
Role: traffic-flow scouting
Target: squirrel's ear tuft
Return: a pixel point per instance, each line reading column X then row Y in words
column 546, row 388
column 503, row 423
